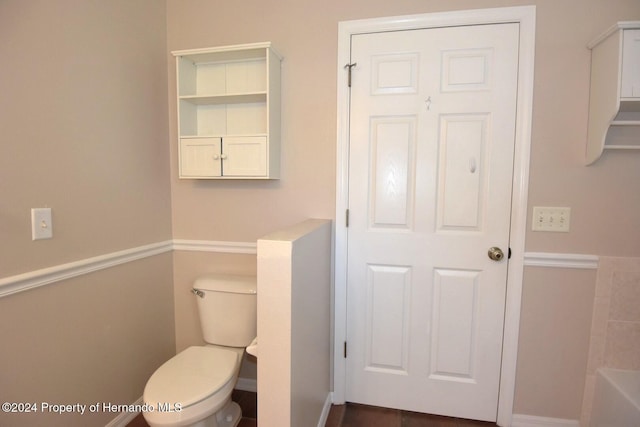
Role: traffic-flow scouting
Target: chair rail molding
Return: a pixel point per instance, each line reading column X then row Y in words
column 555, row 260
column 33, row 279
column 36, row 278
column 215, row 246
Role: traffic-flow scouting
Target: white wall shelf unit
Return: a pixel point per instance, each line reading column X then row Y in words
column 229, row 112
column 614, row 104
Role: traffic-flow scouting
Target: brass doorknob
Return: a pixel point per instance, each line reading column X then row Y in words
column 495, row 253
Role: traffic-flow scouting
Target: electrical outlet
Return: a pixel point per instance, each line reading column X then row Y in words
column 551, row 219
column 41, row 224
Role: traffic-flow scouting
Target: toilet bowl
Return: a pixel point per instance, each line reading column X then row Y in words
column 194, row 387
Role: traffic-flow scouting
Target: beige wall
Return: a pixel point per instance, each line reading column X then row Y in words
column 556, row 304
column 305, row 33
column 94, row 338
column 83, row 114
column 552, row 355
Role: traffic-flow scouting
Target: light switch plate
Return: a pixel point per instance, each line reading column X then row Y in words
column 41, row 224
column 555, row 219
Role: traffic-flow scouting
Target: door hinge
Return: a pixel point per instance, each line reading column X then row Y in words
column 345, row 349
column 509, row 254
column 346, row 218
column 349, row 67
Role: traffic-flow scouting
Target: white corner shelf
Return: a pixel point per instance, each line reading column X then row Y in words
column 229, row 112
column 614, row 104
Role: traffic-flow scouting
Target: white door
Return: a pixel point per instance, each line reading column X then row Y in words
column 430, row 173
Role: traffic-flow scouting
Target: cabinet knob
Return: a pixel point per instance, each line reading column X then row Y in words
column 223, row 156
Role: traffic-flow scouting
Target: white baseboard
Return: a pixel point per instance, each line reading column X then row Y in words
column 247, row 384
column 519, row 420
column 325, row 411
column 125, row 418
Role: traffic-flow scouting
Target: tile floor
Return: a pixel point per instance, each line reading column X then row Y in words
column 354, row 415
column 350, row 415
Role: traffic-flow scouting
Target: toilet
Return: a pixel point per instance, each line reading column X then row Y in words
column 194, row 387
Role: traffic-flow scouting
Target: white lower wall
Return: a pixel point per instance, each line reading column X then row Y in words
column 281, row 247
column 294, row 318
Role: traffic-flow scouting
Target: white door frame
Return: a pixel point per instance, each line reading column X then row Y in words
column 525, row 16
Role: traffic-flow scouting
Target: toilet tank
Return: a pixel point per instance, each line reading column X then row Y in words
column 227, row 309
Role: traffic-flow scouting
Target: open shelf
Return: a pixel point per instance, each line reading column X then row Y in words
column 231, row 98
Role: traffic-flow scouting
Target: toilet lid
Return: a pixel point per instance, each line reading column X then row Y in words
column 191, row 376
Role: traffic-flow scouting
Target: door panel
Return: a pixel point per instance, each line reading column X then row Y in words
column 461, row 165
column 200, row 157
column 387, row 294
column 454, row 331
column 392, row 172
column 430, row 172
column 245, row 156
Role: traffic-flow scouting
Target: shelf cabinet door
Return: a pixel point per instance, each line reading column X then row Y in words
column 244, row 156
column 614, row 98
column 229, row 112
column 630, row 87
column 200, row 157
